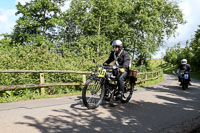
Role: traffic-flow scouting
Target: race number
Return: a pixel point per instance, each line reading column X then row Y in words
column 101, row 72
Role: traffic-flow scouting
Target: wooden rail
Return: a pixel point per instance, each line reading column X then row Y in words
column 43, row 71
column 140, row 80
column 43, row 84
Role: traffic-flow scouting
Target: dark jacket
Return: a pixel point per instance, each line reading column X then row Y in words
column 185, row 67
column 123, row 60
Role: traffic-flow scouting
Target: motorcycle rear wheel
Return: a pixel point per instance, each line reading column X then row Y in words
column 129, row 88
column 93, row 93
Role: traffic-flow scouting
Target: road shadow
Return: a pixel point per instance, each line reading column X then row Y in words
column 133, row 117
column 78, row 104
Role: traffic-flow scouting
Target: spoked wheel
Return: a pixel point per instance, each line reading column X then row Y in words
column 93, row 93
column 128, row 91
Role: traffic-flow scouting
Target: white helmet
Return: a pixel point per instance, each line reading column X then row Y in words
column 117, row 43
column 183, row 61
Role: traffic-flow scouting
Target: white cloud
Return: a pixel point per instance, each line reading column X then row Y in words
column 7, row 20
column 185, row 7
column 3, row 19
column 190, row 9
column 22, row 1
column 185, row 32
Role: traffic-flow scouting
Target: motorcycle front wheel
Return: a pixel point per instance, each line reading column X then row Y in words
column 184, row 86
column 93, row 93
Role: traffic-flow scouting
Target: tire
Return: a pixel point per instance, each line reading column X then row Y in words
column 186, row 86
column 129, row 87
column 183, row 87
column 93, row 93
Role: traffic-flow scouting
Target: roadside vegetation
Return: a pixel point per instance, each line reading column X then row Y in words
column 23, row 57
column 48, row 38
column 171, row 69
column 190, row 52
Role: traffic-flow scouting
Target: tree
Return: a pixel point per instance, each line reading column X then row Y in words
column 172, row 55
column 38, row 21
column 140, row 24
column 89, row 26
column 92, row 25
column 195, row 45
column 190, row 52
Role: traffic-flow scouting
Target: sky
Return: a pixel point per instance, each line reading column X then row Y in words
column 190, row 9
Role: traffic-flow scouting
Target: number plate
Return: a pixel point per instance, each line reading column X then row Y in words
column 101, row 72
column 186, row 76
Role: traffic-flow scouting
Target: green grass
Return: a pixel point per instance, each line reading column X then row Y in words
column 152, row 82
column 77, row 92
column 170, row 69
column 195, row 75
column 166, row 67
column 32, row 97
column 162, row 65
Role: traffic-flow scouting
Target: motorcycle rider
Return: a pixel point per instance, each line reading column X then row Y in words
column 184, row 66
column 122, row 60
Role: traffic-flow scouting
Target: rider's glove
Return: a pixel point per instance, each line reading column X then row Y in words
column 105, row 64
column 121, row 70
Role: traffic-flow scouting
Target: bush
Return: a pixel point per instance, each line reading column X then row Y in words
column 41, row 58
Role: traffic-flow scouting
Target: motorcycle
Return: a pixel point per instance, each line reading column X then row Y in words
column 184, row 79
column 102, row 85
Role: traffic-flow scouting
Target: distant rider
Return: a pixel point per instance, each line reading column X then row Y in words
column 184, row 66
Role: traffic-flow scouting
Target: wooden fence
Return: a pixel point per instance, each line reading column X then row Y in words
column 146, row 75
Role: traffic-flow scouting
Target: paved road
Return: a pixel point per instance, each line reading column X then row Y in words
column 162, row 108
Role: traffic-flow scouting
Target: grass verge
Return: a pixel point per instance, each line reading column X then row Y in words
column 152, row 82
column 195, row 75
column 32, row 97
column 77, row 92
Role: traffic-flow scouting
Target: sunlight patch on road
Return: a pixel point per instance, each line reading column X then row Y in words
column 127, row 121
column 104, row 113
column 189, row 109
column 97, row 128
column 160, row 98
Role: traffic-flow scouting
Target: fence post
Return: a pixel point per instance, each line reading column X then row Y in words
column 41, row 82
column 84, row 79
column 146, row 76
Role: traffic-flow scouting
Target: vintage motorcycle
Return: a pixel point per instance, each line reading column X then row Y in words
column 102, row 85
column 184, row 79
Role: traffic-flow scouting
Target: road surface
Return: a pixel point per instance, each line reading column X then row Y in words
column 161, row 108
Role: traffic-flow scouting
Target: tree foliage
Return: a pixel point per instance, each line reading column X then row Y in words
column 88, row 26
column 190, row 52
column 195, row 46
column 37, row 23
column 141, row 25
column 83, row 31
